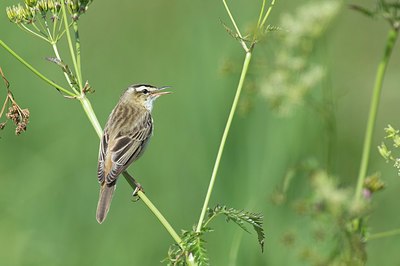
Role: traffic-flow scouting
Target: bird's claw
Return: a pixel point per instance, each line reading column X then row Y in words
column 135, row 192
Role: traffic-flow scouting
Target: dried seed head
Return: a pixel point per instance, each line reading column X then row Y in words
column 25, row 113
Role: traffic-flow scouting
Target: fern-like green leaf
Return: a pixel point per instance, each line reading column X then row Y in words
column 193, row 247
column 240, row 217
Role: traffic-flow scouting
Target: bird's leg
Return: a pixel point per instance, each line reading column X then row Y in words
column 138, row 186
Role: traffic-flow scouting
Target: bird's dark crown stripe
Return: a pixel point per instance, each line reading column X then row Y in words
column 140, row 85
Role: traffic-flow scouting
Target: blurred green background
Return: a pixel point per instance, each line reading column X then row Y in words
column 48, row 183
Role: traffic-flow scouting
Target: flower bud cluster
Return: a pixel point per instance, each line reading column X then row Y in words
column 77, row 7
column 29, row 12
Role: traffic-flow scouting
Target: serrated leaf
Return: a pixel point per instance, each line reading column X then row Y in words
column 240, row 217
column 260, row 236
column 193, row 244
column 199, row 252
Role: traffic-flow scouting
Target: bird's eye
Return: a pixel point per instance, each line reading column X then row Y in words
column 145, row 91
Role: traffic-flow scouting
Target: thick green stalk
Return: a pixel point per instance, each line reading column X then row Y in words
column 87, row 107
column 373, row 111
column 224, row 137
column 34, row 70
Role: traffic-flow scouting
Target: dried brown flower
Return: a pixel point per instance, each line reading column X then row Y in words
column 15, row 113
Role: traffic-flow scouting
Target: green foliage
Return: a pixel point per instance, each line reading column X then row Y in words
column 240, row 217
column 194, row 249
column 193, row 241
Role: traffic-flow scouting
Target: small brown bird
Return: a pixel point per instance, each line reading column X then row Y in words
column 125, row 137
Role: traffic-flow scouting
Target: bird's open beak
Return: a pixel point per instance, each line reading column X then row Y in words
column 157, row 93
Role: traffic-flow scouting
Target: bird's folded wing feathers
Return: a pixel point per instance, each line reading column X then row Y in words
column 127, row 146
column 100, row 166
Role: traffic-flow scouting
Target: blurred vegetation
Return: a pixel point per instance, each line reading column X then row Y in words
column 293, row 152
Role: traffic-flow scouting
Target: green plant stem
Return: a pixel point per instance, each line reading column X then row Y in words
column 267, row 14
column 383, row 234
column 161, row 218
column 71, row 48
column 236, row 27
column 223, row 140
column 26, row 29
column 55, row 37
column 155, row 211
column 34, row 70
column 87, row 107
column 78, row 51
column 373, row 111
column 261, row 14
column 231, row 17
column 55, row 49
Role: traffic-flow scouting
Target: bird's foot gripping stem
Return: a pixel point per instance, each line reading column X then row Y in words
column 137, row 189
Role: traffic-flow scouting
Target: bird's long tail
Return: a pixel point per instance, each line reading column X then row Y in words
column 106, row 193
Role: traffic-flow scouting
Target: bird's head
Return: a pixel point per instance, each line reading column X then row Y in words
column 142, row 94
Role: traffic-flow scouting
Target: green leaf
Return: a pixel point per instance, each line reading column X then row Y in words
column 240, row 217
column 193, row 246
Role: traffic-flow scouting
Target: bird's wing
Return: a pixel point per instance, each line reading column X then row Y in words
column 126, row 147
column 102, row 157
